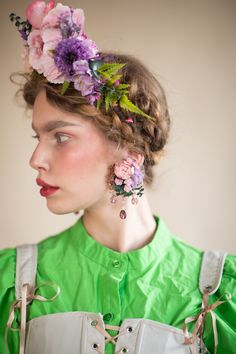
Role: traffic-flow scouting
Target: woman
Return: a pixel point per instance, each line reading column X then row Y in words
column 117, row 281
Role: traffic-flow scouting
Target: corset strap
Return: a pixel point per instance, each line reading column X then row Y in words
column 26, row 298
column 200, row 320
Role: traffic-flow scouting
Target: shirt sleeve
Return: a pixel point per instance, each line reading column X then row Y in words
column 225, row 313
column 7, row 297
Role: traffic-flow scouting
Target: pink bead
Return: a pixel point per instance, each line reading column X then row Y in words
column 113, row 199
column 134, row 200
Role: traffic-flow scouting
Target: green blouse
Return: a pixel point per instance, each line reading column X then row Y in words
column 157, row 282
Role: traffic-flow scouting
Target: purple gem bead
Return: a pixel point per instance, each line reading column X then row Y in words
column 122, row 214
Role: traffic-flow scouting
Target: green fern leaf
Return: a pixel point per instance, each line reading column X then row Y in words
column 125, row 103
column 114, row 79
column 122, row 86
column 110, row 70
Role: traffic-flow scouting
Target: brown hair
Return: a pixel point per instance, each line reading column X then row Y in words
column 143, row 136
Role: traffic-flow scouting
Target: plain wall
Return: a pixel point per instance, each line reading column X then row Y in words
column 190, row 46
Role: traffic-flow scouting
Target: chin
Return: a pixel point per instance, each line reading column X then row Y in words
column 60, row 209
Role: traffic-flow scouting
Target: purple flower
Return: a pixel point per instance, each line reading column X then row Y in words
column 84, row 84
column 137, row 177
column 71, row 50
column 80, row 67
column 68, row 27
column 93, row 97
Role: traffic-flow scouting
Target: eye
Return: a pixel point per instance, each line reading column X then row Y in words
column 35, row 137
column 61, row 138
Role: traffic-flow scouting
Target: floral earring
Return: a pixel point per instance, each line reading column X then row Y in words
column 127, row 181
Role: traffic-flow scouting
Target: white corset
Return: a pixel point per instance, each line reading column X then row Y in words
column 85, row 332
column 75, row 333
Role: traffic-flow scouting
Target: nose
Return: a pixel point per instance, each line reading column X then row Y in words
column 39, row 159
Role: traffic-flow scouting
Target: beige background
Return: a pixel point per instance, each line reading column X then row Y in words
column 190, row 46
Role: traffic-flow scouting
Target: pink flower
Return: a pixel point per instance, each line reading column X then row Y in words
column 118, row 181
column 53, row 17
column 36, row 11
column 129, row 182
column 127, row 188
column 65, row 18
column 35, row 43
column 124, row 169
column 51, row 37
column 50, row 70
column 78, row 18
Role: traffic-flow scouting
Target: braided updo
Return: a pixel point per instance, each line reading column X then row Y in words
column 143, row 136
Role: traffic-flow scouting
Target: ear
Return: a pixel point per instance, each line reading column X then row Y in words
column 139, row 158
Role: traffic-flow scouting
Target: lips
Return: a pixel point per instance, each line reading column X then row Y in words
column 41, row 183
column 46, row 189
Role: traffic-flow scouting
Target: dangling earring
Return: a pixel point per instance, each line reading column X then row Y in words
column 127, row 181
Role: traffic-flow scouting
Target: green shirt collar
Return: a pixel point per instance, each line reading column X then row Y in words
column 108, row 258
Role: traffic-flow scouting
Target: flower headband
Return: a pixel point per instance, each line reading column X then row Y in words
column 57, row 47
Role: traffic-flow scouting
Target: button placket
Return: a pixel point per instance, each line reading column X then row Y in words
column 116, row 263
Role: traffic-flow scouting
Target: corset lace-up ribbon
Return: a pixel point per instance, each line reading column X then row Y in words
column 22, row 303
column 108, row 337
column 200, row 319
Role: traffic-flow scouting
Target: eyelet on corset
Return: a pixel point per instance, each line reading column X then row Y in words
column 124, row 350
column 129, row 329
column 95, row 345
column 94, row 323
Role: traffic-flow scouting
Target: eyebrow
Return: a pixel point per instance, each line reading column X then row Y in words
column 54, row 124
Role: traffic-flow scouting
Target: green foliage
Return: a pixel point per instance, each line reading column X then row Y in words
column 108, row 70
column 125, row 103
column 111, row 93
column 65, row 86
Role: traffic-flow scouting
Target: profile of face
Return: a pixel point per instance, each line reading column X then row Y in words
column 73, row 155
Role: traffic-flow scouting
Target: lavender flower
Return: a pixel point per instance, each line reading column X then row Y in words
column 84, row 84
column 80, row 67
column 68, row 27
column 137, row 177
column 70, row 51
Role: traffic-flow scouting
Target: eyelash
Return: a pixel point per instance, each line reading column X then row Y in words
column 57, row 136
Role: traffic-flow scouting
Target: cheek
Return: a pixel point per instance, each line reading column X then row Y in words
column 83, row 165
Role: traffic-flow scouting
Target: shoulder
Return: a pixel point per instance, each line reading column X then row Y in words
column 7, row 268
column 185, row 258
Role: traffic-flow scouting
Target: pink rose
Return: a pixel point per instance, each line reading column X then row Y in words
column 36, row 11
column 129, row 182
column 124, row 169
column 50, row 70
column 118, row 181
column 127, row 188
column 53, row 17
column 35, row 43
column 63, row 14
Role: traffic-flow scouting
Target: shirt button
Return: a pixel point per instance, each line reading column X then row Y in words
column 107, row 317
column 116, row 263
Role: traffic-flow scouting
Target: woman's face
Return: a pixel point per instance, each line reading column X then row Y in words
column 73, row 155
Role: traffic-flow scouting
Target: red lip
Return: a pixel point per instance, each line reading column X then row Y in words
column 46, row 189
column 41, row 183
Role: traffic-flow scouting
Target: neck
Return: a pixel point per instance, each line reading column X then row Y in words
column 104, row 224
